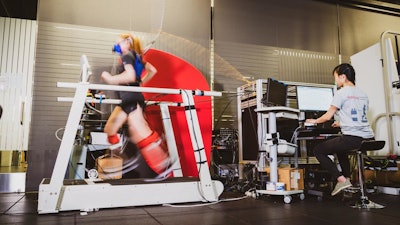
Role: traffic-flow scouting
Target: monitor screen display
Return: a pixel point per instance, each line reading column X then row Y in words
column 314, row 98
column 275, row 94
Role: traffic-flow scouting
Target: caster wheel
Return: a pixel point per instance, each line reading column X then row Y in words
column 319, row 198
column 287, row 199
column 302, row 196
column 93, row 174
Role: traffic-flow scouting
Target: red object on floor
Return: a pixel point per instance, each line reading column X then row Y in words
column 176, row 73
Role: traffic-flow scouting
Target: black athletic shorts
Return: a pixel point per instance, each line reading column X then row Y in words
column 130, row 100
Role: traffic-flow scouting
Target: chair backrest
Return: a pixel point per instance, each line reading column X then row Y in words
column 372, row 145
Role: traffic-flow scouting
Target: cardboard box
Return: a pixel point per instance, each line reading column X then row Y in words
column 388, row 177
column 267, row 169
column 109, row 167
column 293, row 178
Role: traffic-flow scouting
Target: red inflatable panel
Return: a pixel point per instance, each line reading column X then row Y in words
column 176, row 73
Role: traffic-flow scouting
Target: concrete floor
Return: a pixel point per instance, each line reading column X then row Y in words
column 234, row 208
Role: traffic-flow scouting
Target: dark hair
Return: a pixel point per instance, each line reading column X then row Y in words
column 347, row 70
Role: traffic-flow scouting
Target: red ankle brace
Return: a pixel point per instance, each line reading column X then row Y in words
column 153, row 137
column 154, row 152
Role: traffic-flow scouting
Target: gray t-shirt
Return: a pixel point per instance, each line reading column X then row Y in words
column 353, row 106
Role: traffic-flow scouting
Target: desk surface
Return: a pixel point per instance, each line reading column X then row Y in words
column 318, row 132
column 278, row 109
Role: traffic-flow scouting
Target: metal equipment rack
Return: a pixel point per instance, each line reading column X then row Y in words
column 250, row 95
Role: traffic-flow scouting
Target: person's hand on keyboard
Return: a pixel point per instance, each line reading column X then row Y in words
column 310, row 123
column 335, row 124
column 306, row 124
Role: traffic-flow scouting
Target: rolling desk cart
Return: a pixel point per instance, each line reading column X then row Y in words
column 271, row 115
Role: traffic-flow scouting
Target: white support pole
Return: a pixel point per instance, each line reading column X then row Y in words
column 69, row 136
column 134, row 89
column 209, row 193
column 91, row 100
column 273, row 152
column 52, row 192
column 171, row 142
column 387, row 88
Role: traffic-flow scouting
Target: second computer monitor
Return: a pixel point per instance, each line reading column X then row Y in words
column 275, row 94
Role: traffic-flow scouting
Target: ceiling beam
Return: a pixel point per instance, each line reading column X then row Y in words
column 369, row 5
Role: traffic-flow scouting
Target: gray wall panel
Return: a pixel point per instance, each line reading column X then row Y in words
column 299, row 24
column 361, row 29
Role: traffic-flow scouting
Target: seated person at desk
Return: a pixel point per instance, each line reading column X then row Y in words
column 351, row 105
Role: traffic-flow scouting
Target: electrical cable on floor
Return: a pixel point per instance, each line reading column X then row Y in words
column 208, row 203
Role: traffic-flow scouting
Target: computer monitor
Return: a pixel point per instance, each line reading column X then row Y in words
column 316, row 99
column 275, row 94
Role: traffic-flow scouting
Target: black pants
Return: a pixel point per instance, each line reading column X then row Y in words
column 341, row 147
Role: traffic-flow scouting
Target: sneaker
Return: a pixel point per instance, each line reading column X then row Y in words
column 340, row 186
